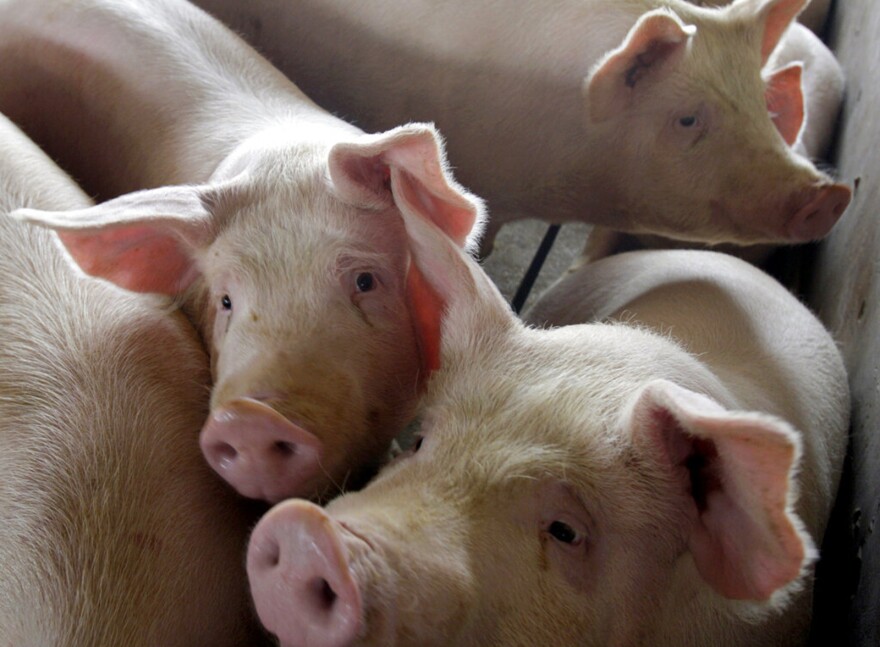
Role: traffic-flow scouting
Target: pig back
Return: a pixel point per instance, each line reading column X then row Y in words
column 112, row 528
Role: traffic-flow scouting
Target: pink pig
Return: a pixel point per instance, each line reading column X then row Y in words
column 113, row 530
column 643, row 116
column 661, row 479
column 284, row 246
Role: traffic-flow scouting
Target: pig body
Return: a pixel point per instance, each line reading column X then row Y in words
column 280, row 235
column 644, row 116
column 113, row 530
column 659, row 478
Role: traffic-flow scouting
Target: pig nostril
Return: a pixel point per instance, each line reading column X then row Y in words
column 284, row 448
column 324, row 594
column 225, row 452
column 272, row 554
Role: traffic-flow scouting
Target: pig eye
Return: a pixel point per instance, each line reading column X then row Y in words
column 226, row 302
column 688, row 121
column 561, row 531
column 365, row 282
column 417, row 445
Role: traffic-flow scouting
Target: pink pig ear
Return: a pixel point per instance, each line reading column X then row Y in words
column 737, row 469
column 453, row 301
column 785, row 101
column 142, row 241
column 654, row 41
column 407, row 165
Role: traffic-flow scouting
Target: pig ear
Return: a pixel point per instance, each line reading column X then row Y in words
column 785, row 101
column 454, row 301
column 142, row 241
column 776, row 15
column 407, row 165
column 654, row 40
column 737, row 470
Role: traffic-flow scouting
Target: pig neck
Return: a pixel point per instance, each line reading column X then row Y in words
column 125, row 104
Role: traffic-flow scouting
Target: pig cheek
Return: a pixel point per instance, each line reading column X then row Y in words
column 575, row 565
column 681, row 143
column 221, row 322
column 394, row 354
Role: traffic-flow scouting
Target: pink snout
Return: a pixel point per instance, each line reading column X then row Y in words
column 822, row 210
column 260, row 452
column 300, row 579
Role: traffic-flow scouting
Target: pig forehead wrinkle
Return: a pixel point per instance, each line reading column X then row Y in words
column 719, row 62
column 282, row 235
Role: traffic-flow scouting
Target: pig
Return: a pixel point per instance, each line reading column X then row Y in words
column 643, row 116
column 274, row 224
column 658, row 472
column 113, row 529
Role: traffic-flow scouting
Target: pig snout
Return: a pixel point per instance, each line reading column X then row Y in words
column 818, row 213
column 300, row 579
column 260, row 452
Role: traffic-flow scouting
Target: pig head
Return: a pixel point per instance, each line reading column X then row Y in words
column 294, row 263
column 592, row 484
column 713, row 135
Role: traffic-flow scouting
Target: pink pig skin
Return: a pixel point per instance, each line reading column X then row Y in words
column 113, row 530
column 662, row 478
column 280, row 233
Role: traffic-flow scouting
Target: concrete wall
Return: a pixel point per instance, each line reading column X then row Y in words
column 843, row 289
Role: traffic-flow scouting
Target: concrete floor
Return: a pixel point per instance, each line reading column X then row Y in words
column 515, row 246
